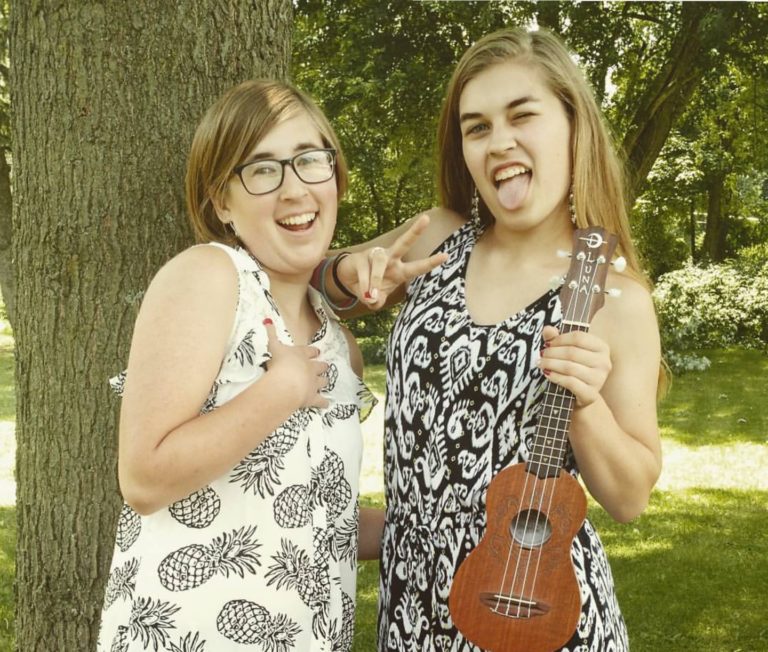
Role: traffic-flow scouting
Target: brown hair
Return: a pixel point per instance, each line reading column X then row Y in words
column 228, row 133
column 598, row 175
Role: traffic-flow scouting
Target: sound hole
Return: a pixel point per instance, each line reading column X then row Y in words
column 530, row 529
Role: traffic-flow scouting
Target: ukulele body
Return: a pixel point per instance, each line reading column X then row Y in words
column 528, row 537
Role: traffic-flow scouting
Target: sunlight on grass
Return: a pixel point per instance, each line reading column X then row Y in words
column 721, row 405
column 701, row 555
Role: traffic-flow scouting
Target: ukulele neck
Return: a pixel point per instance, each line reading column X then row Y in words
column 550, row 444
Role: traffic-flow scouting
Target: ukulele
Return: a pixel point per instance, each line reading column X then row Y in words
column 517, row 590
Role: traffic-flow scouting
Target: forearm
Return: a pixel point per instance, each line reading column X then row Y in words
column 618, row 469
column 371, row 528
column 205, row 447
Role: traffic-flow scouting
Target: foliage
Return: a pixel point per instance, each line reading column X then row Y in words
column 380, row 68
column 717, row 306
column 373, row 348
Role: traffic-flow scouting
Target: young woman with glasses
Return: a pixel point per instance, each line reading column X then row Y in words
column 240, row 442
column 524, row 158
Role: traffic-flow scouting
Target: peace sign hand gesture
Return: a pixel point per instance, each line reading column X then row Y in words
column 375, row 273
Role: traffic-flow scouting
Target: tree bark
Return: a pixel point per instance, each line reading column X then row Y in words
column 713, row 248
column 106, row 97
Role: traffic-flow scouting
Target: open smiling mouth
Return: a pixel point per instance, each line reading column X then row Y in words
column 512, row 185
column 301, row 222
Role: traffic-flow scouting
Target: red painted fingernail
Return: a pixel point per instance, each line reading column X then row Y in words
column 267, row 322
column 546, row 372
column 367, row 294
column 546, row 345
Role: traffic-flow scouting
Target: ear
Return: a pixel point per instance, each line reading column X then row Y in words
column 219, row 203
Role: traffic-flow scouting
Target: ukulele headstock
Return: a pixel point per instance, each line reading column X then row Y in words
column 583, row 290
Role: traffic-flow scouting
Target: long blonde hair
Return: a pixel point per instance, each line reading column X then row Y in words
column 598, row 175
column 228, row 133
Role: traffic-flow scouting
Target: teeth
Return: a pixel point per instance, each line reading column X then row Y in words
column 296, row 220
column 508, row 173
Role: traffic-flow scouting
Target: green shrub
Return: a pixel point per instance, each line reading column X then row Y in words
column 373, row 348
column 712, row 307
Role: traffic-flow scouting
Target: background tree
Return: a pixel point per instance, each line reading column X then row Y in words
column 381, row 70
column 106, row 96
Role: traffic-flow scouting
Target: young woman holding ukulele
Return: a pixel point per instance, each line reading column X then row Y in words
column 240, row 442
column 524, row 158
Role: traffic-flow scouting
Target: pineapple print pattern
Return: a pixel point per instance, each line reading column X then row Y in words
column 192, row 566
column 188, row 644
column 128, row 528
column 149, row 622
column 263, row 557
column 260, row 470
column 250, row 623
column 198, row 509
column 121, row 583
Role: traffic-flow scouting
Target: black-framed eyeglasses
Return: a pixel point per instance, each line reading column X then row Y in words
column 266, row 175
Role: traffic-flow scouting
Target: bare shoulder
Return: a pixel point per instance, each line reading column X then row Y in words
column 628, row 320
column 442, row 222
column 355, row 355
column 200, row 278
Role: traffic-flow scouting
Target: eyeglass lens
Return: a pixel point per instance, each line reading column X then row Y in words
column 314, row 166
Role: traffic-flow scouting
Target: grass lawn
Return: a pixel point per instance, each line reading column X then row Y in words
column 691, row 572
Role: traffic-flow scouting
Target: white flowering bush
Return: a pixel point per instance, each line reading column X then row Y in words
column 712, row 307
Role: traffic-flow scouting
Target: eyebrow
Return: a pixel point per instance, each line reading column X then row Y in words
column 513, row 104
column 270, row 155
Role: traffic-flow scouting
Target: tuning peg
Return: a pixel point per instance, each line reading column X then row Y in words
column 556, row 281
column 620, row 264
column 613, row 292
column 562, row 253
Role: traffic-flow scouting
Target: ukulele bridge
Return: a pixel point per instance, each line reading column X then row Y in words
column 513, row 606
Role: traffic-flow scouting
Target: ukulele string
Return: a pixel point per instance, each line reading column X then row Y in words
column 565, row 395
column 550, row 393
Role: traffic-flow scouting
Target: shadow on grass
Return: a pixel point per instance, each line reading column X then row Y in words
column 722, row 405
column 690, row 572
column 7, row 574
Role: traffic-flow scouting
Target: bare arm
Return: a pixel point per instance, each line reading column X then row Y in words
column 371, row 529
column 167, row 449
column 613, row 372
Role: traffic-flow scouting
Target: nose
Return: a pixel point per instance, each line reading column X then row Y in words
column 292, row 187
column 503, row 139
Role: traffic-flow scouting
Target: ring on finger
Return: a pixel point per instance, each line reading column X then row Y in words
column 375, row 251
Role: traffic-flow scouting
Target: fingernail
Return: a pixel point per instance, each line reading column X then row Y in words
column 546, row 372
column 367, row 295
column 546, row 345
column 267, row 322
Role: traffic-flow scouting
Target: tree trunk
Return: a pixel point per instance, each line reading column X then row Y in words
column 713, row 248
column 106, row 97
column 668, row 93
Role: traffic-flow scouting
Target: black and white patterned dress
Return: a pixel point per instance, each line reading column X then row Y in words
column 462, row 404
column 263, row 558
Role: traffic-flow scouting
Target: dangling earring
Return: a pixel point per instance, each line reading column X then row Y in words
column 475, row 210
column 572, row 205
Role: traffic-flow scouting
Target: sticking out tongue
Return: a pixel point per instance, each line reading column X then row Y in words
column 512, row 191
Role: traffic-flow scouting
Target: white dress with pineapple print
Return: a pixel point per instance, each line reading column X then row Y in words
column 264, row 557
